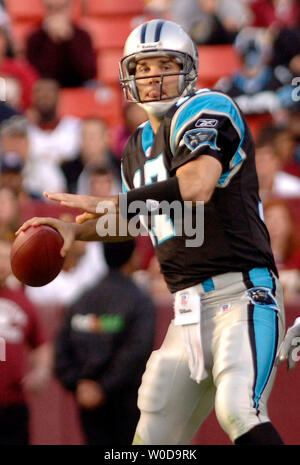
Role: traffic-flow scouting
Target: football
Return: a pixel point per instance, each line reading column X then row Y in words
column 35, row 255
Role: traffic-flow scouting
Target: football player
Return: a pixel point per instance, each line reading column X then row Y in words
column 221, row 346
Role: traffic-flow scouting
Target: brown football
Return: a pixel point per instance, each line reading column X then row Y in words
column 35, row 255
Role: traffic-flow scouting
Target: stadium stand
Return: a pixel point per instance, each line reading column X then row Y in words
column 103, row 102
column 101, row 29
column 32, row 10
column 216, row 61
column 108, row 66
column 112, row 8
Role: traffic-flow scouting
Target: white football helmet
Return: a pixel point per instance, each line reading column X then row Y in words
column 159, row 38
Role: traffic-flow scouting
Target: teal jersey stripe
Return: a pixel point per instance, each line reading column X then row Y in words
column 147, row 137
column 235, row 163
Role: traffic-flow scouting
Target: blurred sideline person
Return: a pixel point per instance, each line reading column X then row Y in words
column 40, row 169
column 273, row 180
column 53, row 139
column 220, row 349
column 94, row 151
column 102, row 349
column 59, row 49
column 25, row 342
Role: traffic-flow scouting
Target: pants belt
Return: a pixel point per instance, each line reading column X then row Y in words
column 252, row 278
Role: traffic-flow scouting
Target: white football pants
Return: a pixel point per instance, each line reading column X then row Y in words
column 242, row 325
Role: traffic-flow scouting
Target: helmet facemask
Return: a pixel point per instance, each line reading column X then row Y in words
column 187, row 78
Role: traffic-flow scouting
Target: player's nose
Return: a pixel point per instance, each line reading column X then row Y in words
column 154, row 75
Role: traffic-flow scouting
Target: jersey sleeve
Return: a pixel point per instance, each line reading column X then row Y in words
column 210, row 124
column 126, row 162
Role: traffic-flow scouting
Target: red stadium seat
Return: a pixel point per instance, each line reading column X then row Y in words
column 20, row 32
column 108, row 65
column 103, row 102
column 114, row 7
column 32, row 10
column 216, row 61
column 257, row 122
column 108, row 32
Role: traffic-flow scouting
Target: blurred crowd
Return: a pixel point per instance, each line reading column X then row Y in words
column 44, row 150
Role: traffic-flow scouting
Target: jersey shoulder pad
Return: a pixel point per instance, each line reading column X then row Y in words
column 204, row 109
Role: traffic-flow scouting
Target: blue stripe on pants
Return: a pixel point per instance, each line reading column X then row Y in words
column 265, row 327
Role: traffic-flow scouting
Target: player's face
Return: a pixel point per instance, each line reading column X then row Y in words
column 151, row 85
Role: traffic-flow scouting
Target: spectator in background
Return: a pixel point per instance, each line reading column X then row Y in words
column 134, row 115
column 61, row 50
column 210, row 22
column 273, row 181
column 285, row 245
column 294, row 128
column 9, row 213
column 94, row 151
column 102, row 184
column 286, row 52
column 53, row 139
column 18, row 74
column 51, row 135
column 101, row 181
column 21, row 329
column 255, row 87
column 284, row 144
column 275, row 13
column 39, row 173
column 102, row 349
column 6, row 111
column 12, row 177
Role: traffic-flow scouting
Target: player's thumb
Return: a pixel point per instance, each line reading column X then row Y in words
column 85, row 217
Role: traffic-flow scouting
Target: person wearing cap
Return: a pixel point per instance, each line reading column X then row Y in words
column 12, row 176
column 257, row 87
column 38, row 174
column 102, row 347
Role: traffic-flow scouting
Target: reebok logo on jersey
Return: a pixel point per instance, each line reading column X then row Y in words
column 206, row 123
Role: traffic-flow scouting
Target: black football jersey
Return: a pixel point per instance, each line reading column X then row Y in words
column 235, row 236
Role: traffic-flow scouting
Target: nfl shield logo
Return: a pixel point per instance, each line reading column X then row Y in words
column 184, row 299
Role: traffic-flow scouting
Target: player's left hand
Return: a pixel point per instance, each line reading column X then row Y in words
column 290, row 346
column 93, row 207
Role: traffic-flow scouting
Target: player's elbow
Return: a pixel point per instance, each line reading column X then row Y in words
column 196, row 194
column 194, row 190
column 197, row 179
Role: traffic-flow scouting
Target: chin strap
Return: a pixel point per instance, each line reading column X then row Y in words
column 158, row 109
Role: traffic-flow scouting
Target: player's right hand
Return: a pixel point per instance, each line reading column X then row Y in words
column 66, row 230
column 290, row 345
